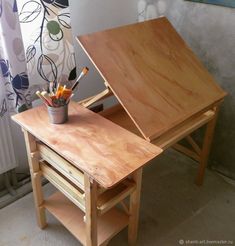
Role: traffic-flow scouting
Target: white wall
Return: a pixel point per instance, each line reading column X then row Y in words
column 94, row 15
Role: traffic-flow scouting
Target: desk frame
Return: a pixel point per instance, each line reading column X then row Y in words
column 91, row 194
column 87, row 225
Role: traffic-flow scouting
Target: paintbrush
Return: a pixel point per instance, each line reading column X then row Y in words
column 59, row 91
column 45, row 95
column 68, row 99
column 42, row 98
column 66, row 93
column 85, row 70
column 51, row 85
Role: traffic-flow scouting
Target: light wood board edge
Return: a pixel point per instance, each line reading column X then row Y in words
column 176, row 134
column 112, row 197
column 96, row 98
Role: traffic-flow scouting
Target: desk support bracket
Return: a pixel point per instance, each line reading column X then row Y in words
column 96, row 98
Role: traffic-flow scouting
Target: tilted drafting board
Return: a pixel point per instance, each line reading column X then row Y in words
column 153, row 73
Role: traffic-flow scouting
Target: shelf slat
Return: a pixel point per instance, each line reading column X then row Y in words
column 71, row 217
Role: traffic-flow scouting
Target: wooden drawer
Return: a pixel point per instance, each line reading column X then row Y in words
column 70, row 181
column 75, row 194
column 106, row 200
column 61, row 165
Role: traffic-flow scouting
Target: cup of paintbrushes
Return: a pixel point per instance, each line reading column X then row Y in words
column 58, row 112
column 57, row 98
column 57, row 104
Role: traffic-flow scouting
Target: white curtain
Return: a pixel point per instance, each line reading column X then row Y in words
column 35, row 48
column 34, row 34
column 47, row 38
column 14, row 83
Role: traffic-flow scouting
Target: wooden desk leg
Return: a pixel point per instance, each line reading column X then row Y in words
column 134, row 209
column 210, row 128
column 91, row 211
column 35, row 172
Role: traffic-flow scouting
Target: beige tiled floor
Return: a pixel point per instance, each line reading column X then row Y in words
column 172, row 209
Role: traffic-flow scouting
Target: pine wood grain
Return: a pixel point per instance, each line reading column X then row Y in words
column 93, row 144
column 153, row 73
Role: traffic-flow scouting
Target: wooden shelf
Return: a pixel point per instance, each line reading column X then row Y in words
column 71, row 217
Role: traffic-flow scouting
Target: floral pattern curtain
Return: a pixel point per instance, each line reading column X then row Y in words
column 46, row 30
column 14, row 82
column 36, row 34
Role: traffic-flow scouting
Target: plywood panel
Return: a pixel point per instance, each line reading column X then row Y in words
column 153, row 73
column 95, row 145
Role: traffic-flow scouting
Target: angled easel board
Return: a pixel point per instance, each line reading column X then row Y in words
column 153, row 73
column 105, row 151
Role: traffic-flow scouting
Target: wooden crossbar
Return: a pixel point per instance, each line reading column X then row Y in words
column 96, row 98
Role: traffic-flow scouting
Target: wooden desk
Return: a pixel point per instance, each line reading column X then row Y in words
column 164, row 95
column 164, row 91
column 95, row 165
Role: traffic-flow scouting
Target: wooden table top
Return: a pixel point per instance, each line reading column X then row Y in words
column 154, row 74
column 95, row 145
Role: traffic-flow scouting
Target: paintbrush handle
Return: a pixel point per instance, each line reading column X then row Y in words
column 47, row 98
column 68, row 99
column 75, row 85
column 42, row 98
column 77, row 81
column 82, row 74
